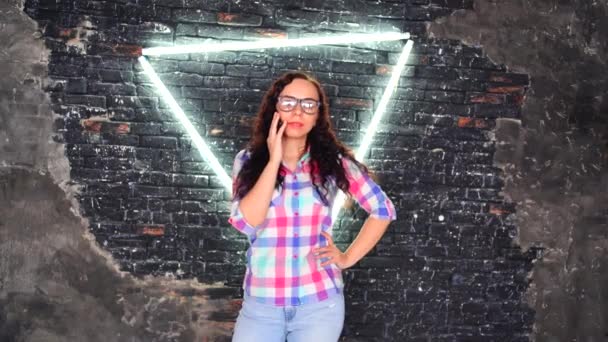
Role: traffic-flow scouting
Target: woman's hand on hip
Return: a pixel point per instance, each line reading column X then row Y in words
column 332, row 254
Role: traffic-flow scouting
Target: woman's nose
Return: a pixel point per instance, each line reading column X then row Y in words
column 298, row 109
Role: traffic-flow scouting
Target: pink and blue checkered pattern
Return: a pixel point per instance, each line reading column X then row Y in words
column 281, row 268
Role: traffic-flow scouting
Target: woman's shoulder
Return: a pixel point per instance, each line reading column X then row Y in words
column 243, row 154
column 345, row 159
column 352, row 166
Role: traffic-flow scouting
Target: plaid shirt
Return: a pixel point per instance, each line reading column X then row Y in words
column 281, row 268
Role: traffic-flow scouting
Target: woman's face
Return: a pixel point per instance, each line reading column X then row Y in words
column 299, row 116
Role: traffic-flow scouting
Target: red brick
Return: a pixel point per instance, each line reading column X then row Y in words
column 468, row 122
column 123, row 128
column 68, row 33
column 238, row 19
column 497, row 209
column 384, row 69
column 152, row 230
column 91, row 125
column 506, row 90
column 519, row 99
column 127, row 50
column 99, row 124
column 488, row 98
column 352, row 102
column 270, row 33
column 226, row 17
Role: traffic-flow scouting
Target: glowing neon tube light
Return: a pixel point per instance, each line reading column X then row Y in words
column 274, row 43
column 199, row 142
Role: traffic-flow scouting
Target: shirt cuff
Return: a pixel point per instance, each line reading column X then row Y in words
column 237, row 220
column 385, row 212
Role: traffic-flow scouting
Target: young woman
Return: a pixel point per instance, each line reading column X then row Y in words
column 284, row 185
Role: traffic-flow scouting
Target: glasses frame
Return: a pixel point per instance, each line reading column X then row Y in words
column 299, row 103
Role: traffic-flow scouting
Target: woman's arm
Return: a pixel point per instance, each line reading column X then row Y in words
column 371, row 232
column 373, row 200
column 255, row 204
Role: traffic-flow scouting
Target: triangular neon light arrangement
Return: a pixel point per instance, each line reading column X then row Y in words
column 198, row 140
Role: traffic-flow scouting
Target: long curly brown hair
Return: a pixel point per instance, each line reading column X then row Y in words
column 325, row 148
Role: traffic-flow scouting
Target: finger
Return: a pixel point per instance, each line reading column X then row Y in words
column 327, row 249
column 326, row 255
column 330, row 241
column 323, row 251
column 326, row 263
column 273, row 125
column 281, row 130
column 328, row 258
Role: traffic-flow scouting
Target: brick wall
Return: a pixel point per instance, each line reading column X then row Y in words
column 448, row 269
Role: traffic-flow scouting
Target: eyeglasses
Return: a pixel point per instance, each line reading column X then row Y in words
column 289, row 103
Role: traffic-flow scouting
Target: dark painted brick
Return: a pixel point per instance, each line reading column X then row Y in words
column 353, row 68
column 159, row 142
column 188, row 40
column 310, row 65
column 251, row 58
column 227, row 57
column 224, row 82
column 105, row 75
column 189, row 180
column 218, row 32
column 182, row 79
column 132, row 101
column 464, row 4
column 160, row 65
column 436, row 72
column 188, row 166
column 119, row 139
column 201, row 69
column 248, row 70
column 186, row 29
column 76, row 86
column 87, row 100
column 154, row 191
column 147, row 128
column 360, row 92
column 444, row 96
column 110, row 62
column 193, row 15
column 111, row 89
column 256, row 83
column 200, row 194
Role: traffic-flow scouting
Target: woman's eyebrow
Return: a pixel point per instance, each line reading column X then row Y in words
column 304, row 98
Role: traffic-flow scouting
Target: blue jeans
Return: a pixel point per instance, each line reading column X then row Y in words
column 318, row 322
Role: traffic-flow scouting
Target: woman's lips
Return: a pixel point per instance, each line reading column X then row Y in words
column 295, row 125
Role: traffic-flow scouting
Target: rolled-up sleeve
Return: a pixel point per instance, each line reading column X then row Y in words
column 237, row 220
column 367, row 193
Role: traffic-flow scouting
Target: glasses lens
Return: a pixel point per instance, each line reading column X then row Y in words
column 309, row 106
column 287, row 103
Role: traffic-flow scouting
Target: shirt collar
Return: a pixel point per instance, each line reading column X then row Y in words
column 305, row 156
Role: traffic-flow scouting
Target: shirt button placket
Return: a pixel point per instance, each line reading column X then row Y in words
column 296, row 203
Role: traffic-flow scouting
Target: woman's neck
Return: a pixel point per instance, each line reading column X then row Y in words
column 293, row 149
